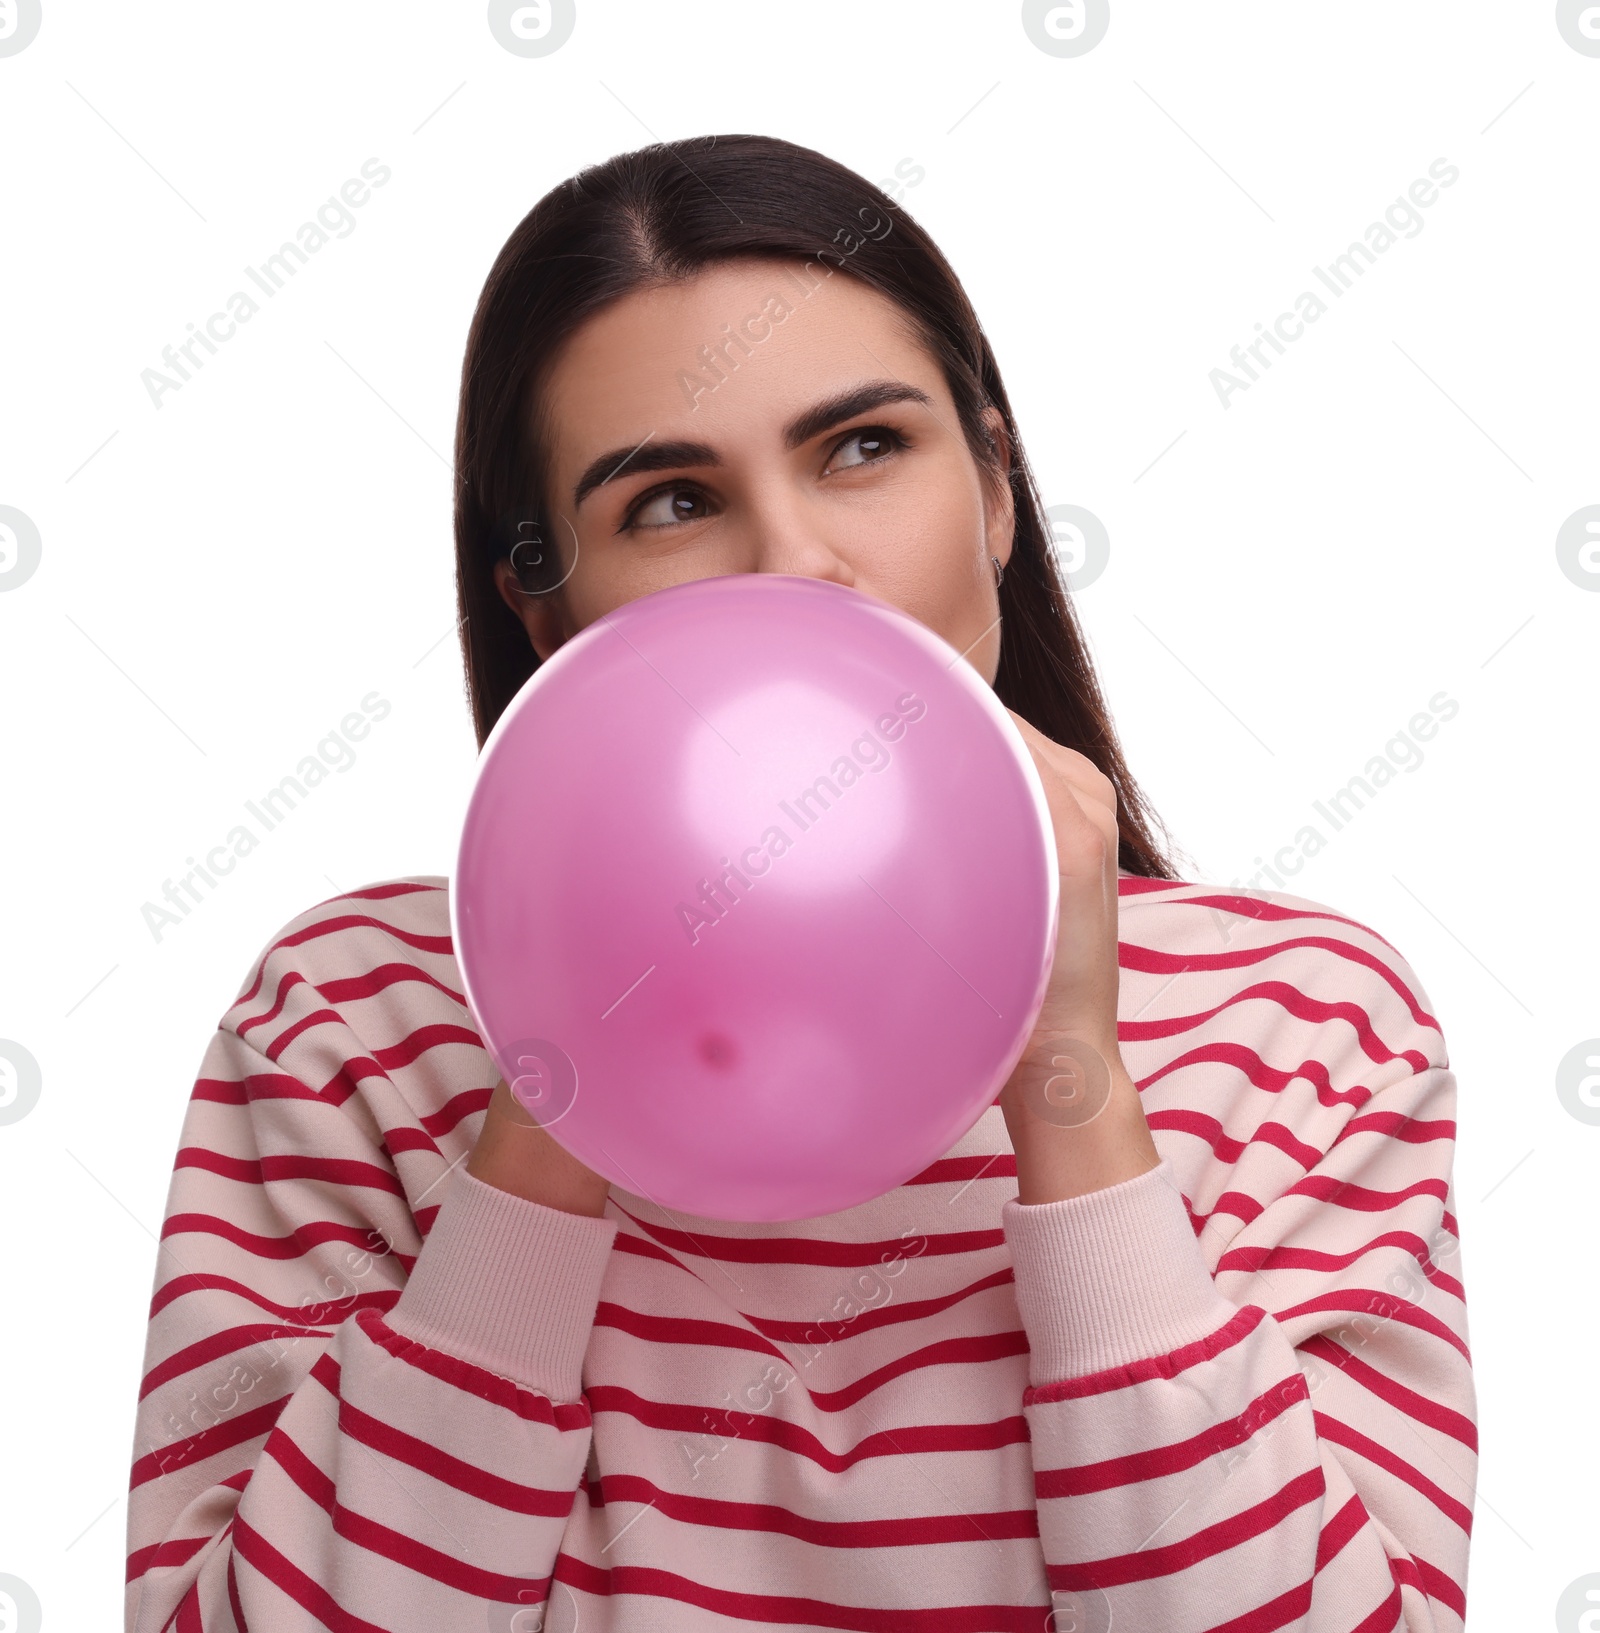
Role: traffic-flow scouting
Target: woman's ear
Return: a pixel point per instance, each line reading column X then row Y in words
column 543, row 615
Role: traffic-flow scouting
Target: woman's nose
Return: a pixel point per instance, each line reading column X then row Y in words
column 811, row 564
column 790, row 545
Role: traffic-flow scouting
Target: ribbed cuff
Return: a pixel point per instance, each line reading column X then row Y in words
column 509, row 1285
column 1109, row 1278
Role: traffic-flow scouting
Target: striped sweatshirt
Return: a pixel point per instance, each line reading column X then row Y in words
column 1231, row 1394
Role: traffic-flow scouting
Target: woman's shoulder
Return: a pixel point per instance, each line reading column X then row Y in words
column 358, row 997
column 1282, row 1047
column 1260, row 963
column 353, row 940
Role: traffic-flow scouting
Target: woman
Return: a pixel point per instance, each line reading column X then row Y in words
column 1172, row 1339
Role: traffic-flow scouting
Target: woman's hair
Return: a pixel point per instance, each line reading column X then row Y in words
column 659, row 215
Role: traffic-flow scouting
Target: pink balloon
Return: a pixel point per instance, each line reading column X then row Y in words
column 756, row 896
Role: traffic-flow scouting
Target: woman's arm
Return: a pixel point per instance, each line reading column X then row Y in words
column 1287, row 1444
column 340, row 1416
column 513, row 1153
column 1286, row 1438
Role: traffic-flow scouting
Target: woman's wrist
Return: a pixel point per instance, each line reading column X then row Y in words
column 514, row 1153
column 1075, row 1120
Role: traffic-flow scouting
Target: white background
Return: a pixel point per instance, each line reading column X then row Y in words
column 1291, row 577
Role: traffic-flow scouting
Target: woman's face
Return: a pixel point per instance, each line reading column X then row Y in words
column 785, row 475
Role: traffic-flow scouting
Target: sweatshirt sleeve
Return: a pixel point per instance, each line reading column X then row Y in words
column 346, row 1420
column 1283, row 1440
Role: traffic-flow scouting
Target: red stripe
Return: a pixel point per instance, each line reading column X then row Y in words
column 886, row 1315
column 1361, row 1198
column 1131, row 1467
column 659, row 1329
column 1339, row 1530
column 234, row 1603
column 1305, row 1258
column 455, row 1111
column 972, row 1350
column 1387, row 1617
column 404, row 1052
column 1287, row 1607
column 272, row 1045
column 776, row 1249
column 477, row 1482
column 165, row 1554
column 1138, row 885
column 1149, row 1563
column 1224, row 1146
column 350, row 1077
column 1269, row 1079
column 380, row 978
column 286, row 984
column 1443, row 1418
column 1158, row 1366
column 1377, row 1307
column 947, row 1170
column 345, row 921
column 772, row 1519
column 337, row 1309
column 196, row 1448
column 957, row 1352
column 187, row 1616
column 1271, row 912
column 1238, row 1204
column 1341, row 1434
column 1292, row 1001
column 967, row 1349
column 789, row 1610
column 417, row 1043
column 293, row 1582
column 1404, row 1571
column 344, row 1171
column 1151, row 960
column 397, row 1140
column 720, row 1423
column 1441, row 1587
column 383, row 1541
column 252, row 1086
column 226, row 1341
column 299, row 1242
column 1396, row 1125
column 641, row 1247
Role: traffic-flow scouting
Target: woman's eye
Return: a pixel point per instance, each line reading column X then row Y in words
column 876, row 441
column 664, row 508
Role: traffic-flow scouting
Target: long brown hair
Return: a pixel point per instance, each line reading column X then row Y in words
column 660, row 214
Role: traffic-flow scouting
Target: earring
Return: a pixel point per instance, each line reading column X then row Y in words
column 999, row 571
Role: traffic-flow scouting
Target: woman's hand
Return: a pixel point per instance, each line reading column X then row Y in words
column 513, row 1153
column 1070, row 1105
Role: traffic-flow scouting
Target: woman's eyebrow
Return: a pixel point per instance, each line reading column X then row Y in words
column 661, row 456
